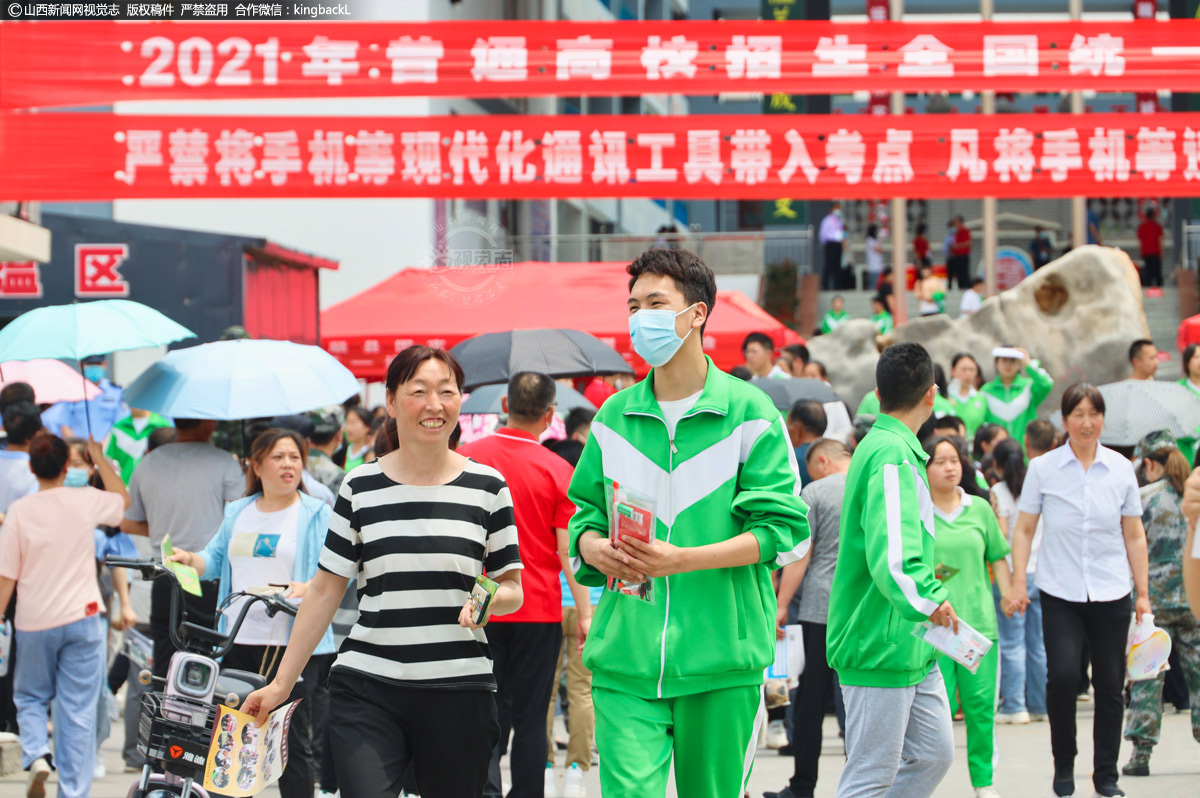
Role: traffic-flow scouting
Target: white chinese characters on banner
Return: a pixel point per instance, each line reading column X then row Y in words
column 754, row 57
column 837, row 57
column 236, row 162
column 142, row 148
column 189, row 157
column 468, row 151
column 1014, row 155
column 674, row 58
column 798, row 160
column 750, row 156
column 330, row 59
column 415, row 60
column 1191, row 154
column 511, row 151
column 1060, row 153
column 704, row 157
column 656, row 173
column 281, row 156
column 584, row 57
column 609, row 163
column 1107, row 161
column 562, row 156
column 846, row 154
column 1097, row 55
column 421, row 157
column 892, row 161
column 374, row 161
column 500, row 58
column 964, row 156
column 926, row 57
column 1155, row 156
column 327, row 158
column 1010, row 55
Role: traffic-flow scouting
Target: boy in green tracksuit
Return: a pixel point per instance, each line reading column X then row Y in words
column 968, row 540
column 130, row 438
column 899, row 736
column 1013, row 397
column 681, row 675
column 836, row 316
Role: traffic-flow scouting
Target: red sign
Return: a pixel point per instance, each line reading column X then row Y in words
column 86, row 63
column 97, row 270
column 20, row 280
column 86, row 156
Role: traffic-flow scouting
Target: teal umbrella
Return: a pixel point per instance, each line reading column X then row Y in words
column 73, row 332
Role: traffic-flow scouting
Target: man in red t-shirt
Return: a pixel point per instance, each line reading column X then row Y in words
column 1150, row 236
column 958, row 265
column 525, row 644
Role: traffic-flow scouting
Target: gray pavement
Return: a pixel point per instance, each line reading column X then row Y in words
column 1025, row 767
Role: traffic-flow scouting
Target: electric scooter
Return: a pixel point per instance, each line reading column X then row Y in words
column 178, row 720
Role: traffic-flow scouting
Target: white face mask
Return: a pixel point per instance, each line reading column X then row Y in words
column 653, row 334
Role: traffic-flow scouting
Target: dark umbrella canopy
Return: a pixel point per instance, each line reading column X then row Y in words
column 785, row 392
column 492, row 358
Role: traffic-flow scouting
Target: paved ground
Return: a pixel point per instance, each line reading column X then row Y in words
column 1025, row 767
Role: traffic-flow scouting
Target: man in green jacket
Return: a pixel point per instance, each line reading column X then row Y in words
column 680, row 676
column 130, row 438
column 899, row 736
column 1013, row 397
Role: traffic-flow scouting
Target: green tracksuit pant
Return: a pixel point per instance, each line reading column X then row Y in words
column 977, row 694
column 712, row 736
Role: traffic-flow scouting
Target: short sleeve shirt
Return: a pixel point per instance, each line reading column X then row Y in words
column 416, row 551
column 967, row 540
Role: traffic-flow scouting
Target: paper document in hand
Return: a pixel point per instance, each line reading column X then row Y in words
column 789, row 654
column 188, row 578
column 967, row 648
column 245, row 759
column 630, row 515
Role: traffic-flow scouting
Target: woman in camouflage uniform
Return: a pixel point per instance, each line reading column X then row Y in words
column 1166, row 470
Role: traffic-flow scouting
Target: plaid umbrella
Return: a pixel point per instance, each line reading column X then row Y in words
column 492, row 358
column 1135, row 408
column 786, row 392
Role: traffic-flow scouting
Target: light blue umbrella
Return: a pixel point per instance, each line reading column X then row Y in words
column 486, row 399
column 73, row 332
column 230, row 380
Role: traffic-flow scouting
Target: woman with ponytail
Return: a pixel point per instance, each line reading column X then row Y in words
column 1166, row 471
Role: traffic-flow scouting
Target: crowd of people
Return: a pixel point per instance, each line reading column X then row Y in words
column 652, row 553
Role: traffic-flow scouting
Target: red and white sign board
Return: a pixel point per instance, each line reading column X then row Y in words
column 97, row 270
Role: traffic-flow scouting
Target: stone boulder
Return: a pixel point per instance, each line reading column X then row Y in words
column 1077, row 315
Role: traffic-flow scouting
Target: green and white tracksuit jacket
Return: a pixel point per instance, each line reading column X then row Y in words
column 883, row 585
column 1015, row 406
column 729, row 469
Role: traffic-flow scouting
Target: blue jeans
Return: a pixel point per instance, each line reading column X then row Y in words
column 1022, row 657
column 63, row 664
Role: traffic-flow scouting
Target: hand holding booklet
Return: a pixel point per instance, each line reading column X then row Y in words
column 967, row 647
column 630, row 514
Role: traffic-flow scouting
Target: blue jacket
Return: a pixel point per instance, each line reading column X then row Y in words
column 314, row 524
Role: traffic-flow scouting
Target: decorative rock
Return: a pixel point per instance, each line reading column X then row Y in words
column 1077, row 315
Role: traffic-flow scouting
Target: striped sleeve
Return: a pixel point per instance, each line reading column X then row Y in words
column 501, row 553
column 343, row 542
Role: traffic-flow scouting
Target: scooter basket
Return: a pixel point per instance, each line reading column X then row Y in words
column 176, row 732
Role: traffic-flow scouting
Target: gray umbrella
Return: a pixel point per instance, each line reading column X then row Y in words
column 492, row 358
column 486, row 399
column 786, row 392
column 1135, row 408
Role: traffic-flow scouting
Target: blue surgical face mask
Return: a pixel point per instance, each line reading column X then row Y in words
column 94, row 373
column 77, row 477
column 653, row 334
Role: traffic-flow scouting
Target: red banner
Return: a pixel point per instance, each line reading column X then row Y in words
column 86, row 156
column 47, row 64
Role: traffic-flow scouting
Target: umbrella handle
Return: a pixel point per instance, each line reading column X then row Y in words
column 87, row 416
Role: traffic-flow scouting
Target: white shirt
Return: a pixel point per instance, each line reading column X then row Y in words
column 262, row 552
column 673, row 411
column 971, row 302
column 1083, row 554
column 1006, row 511
column 874, row 256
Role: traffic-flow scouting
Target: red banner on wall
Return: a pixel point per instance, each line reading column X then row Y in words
column 66, row 157
column 47, row 64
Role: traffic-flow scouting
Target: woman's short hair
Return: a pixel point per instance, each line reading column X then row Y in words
column 1077, row 393
column 263, row 445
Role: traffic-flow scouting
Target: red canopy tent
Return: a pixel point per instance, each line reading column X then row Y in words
column 1189, row 333
column 440, row 307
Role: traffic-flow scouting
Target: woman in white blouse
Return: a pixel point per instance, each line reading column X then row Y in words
column 1093, row 542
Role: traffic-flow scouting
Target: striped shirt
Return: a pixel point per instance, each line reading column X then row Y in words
column 415, row 552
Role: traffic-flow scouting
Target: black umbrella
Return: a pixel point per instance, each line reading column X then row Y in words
column 492, row 358
column 785, row 392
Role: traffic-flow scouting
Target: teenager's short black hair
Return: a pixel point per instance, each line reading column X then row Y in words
column 760, row 338
column 1135, row 349
column 691, row 274
column 22, row 421
column 798, row 352
column 810, row 415
column 902, row 376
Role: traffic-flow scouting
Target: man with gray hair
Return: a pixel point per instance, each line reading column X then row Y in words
column 804, row 589
column 525, row 644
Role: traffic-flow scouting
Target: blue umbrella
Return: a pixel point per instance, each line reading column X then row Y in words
column 242, row 379
column 486, row 399
column 73, row 332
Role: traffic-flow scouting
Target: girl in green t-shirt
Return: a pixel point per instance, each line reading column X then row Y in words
column 968, row 539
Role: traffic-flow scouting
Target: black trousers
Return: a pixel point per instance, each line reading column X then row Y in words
column 8, row 709
column 299, row 776
column 524, row 658
column 958, row 268
column 1066, row 626
column 817, row 686
column 378, row 730
column 831, row 271
column 200, row 610
column 1152, row 271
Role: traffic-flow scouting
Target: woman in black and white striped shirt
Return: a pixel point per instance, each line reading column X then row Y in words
column 413, row 680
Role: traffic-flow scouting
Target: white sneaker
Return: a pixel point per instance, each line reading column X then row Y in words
column 776, row 735
column 98, row 769
column 550, row 785
column 986, row 792
column 1012, row 719
column 39, row 771
column 9, row 737
column 573, row 786
column 114, row 708
column 1038, row 717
